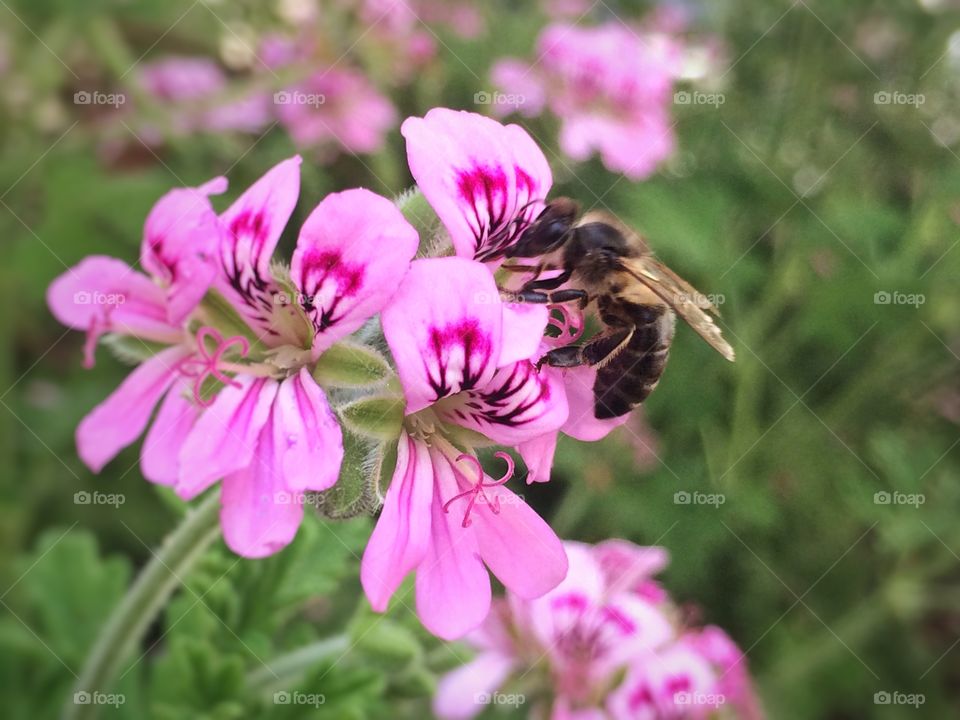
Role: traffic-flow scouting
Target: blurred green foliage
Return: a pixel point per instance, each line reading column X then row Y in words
column 798, row 199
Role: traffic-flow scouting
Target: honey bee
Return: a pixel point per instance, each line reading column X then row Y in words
column 637, row 298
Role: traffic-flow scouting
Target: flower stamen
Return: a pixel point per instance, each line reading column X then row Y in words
column 477, row 490
column 205, row 363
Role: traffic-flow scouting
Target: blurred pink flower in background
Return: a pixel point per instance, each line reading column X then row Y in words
column 605, row 643
column 189, row 88
column 610, row 85
column 336, row 107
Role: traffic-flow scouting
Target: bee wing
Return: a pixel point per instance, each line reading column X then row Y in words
column 682, row 297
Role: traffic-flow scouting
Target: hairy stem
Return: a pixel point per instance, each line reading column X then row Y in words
column 287, row 670
column 125, row 629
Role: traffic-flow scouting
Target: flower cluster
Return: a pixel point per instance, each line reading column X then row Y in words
column 235, row 347
column 610, row 85
column 605, row 643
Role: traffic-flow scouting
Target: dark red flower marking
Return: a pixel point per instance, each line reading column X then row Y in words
column 319, row 267
column 507, row 216
column 476, row 355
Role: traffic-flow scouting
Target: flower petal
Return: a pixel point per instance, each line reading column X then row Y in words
column 119, row 420
column 444, row 329
column 459, row 693
column 582, row 423
column 102, row 294
column 253, row 226
column 516, row 405
column 257, row 516
column 352, row 252
column 453, row 587
column 523, row 326
column 518, row 546
column 399, row 540
column 160, row 456
column 538, row 455
column 307, row 436
column 181, row 239
column 224, row 439
column 486, row 181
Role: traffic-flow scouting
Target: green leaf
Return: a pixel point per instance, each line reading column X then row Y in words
column 350, row 364
column 380, row 416
column 196, row 680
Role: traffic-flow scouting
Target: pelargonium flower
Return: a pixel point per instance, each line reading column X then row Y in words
column 610, row 85
column 190, row 84
column 239, row 401
column 463, row 364
column 605, row 643
column 487, row 183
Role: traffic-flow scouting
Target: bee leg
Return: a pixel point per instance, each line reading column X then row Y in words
column 509, row 267
column 551, row 298
column 599, row 351
column 564, row 357
column 549, row 284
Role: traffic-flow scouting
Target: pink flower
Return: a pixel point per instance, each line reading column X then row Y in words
column 599, row 646
column 442, row 516
column 337, row 106
column 190, row 86
column 487, row 182
column 241, row 407
column 611, row 87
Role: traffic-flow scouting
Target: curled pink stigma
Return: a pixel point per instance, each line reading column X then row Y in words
column 566, row 324
column 204, row 363
column 477, row 490
column 98, row 326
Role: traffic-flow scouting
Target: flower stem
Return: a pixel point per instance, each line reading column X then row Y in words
column 287, row 670
column 124, row 631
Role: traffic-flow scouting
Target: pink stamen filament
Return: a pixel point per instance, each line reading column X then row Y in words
column 565, row 325
column 98, row 326
column 205, row 363
column 477, row 490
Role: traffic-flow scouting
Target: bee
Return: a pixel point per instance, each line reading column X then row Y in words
column 610, row 268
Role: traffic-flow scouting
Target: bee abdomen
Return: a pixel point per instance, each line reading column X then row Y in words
column 629, row 378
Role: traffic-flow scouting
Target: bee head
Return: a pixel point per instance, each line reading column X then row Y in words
column 548, row 232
